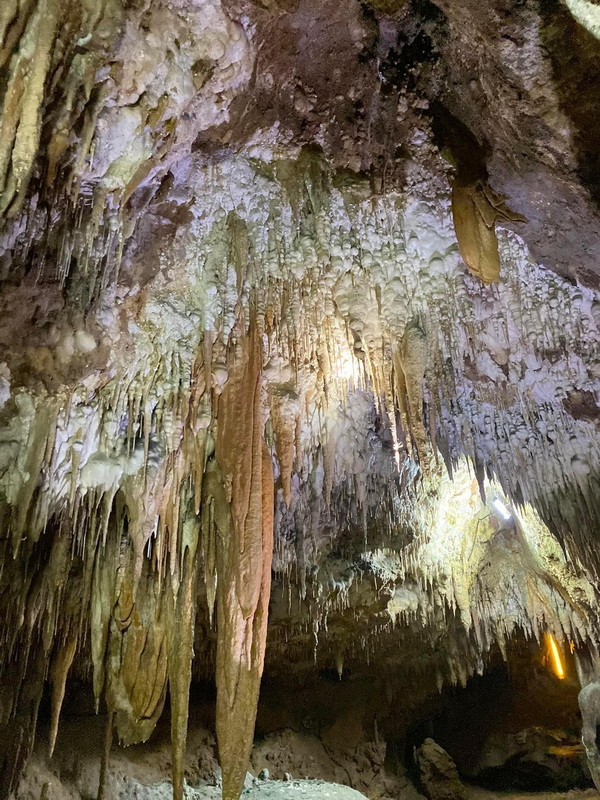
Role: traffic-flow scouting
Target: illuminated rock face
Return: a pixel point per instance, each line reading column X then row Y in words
column 240, row 345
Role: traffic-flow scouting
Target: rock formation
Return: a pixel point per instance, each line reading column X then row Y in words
column 299, row 350
column 439, row 775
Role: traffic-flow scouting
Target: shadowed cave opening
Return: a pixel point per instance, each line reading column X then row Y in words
column 514, row 728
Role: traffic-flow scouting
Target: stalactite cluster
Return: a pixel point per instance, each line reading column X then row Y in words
column 125, row 499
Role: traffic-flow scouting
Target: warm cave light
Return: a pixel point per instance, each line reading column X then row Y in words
column 501, row 508
column 555, row 656
column 344, row 368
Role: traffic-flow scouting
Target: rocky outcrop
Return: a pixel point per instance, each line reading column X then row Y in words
column 438, row 773
column 535, row 758
column 589, row 703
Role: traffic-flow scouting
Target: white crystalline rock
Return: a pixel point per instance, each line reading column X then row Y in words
column 15, row 439
column 587, row 14
column 266, row 145
column 84, row 342
column 333, row 292
column 385, row 263
column 278, row 370
column 4, row 384
column 101, row 471
column 405, row 599
column 121, row 146
column 186, row 62
column 4, row 391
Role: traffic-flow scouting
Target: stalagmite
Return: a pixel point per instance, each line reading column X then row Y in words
column 108, row 738
column 244, row 552
column 339, row 663
column 589, row 703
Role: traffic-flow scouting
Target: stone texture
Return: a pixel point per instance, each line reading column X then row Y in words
column 438, row 773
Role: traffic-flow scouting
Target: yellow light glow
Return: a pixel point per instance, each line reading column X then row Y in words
column 345, row 367
column 555, row 656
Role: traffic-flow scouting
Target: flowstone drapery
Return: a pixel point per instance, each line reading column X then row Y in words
column 244, row 548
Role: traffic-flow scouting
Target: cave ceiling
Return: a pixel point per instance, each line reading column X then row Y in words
column 299, row 346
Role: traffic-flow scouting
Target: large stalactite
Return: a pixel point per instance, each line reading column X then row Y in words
column 244, row 550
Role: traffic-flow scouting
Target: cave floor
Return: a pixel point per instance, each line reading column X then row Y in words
column 478, row 793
